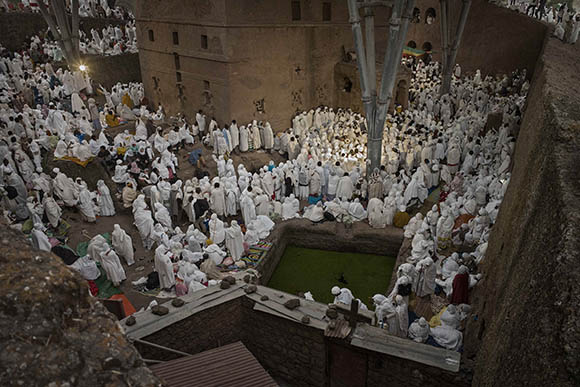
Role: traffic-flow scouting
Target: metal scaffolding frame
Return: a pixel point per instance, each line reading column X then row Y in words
column 376, row 106
column 449, row 53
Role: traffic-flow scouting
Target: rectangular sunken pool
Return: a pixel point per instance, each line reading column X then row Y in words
column 301, row 270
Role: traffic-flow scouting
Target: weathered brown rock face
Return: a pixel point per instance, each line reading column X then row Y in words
column 528, row 304
column 52, row 331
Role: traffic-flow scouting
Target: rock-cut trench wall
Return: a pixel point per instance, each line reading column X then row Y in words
column 528, row 304
column 52, row 332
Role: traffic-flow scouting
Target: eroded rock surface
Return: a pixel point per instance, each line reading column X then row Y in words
column 52, row 332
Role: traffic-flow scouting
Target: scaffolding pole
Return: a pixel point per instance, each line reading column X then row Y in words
column 376, row 106
column 450, row 53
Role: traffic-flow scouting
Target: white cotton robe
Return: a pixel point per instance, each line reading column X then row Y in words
column 123, row 244
column 112, row 266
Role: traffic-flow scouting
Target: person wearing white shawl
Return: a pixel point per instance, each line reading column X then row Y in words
column 244, row 137
column 185, row 134
column 121, row 176
column 445, row 226
column 162, row 215
column 386, row 313
column 112, row 266
column 357, row 211
column 87, row 268
column 402, row 315
column 450, row 317
column 263, row 205
column 85, row 203
column 389, row 210
column 61, row 149
column 106, row 206
column 216, row 230
column 344, row 188
column 450, row 266
column 97, row 245
column 234, row 135
column 343, row 296
column 144, row 223
column 164, row 267
column 215, row 254
column 290, row 208
column 218, row 200
column 193, row 243
column 140, row 130
column 235, row 240
column 427, row 273
column 314, row 213
column 39, row 239
column 64, row 188
column 419, row 330
column 268, row 137
column 375, row 213
column 263, row 225
column 52, row 210
column 128, row 194
column 248, row 208
column 77, row 103
column 447, row 337
column 231, row 203
column 255, row 135
column 123, row 244
column 413, row 226
column 251, row 237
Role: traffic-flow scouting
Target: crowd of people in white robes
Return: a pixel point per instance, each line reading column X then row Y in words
column 565, row 19
column 440, row 142
column 198, row 223
column 87, row 8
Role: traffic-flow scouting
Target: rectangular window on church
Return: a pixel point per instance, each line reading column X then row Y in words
column 296, row 14
column 177, row 61
column 178, row 76
column 151, row 36
column 206, row 85
column 175, row 38
column 204, row 42
column 326, row 11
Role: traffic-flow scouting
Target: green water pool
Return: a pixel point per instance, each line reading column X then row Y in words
column 317, row 271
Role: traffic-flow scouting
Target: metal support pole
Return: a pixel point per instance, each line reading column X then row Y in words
column 450, row 62
column 444, row 30
column 367, row 100
column 360, row 51
column 370, row 49
column 404, row 11
column 375, row 132
column 376, row 106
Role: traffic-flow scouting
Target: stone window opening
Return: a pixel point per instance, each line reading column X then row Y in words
column 175, row 38
column 206, row 85
column 296, row 12
column 347, row 85
column 412, row 44
column 430, row 16
column 178, row 76
column 151, row 35
column 177, row 61
column 326, row 11
column 416, row 15
column 204, row 42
